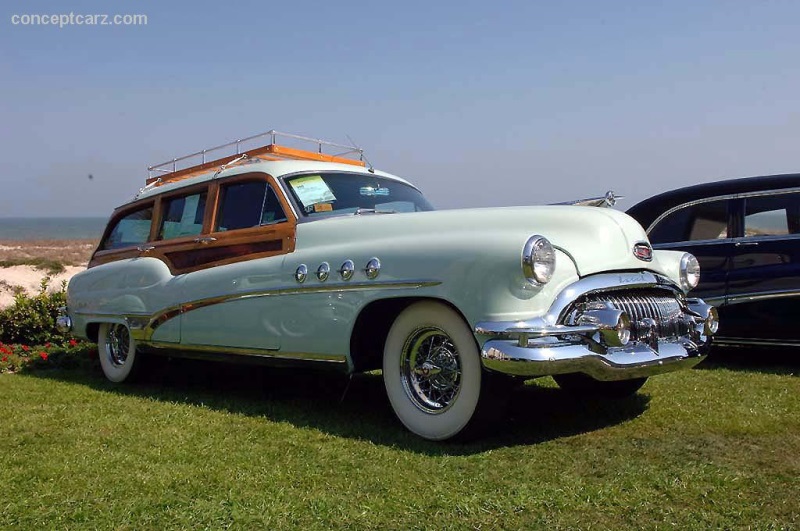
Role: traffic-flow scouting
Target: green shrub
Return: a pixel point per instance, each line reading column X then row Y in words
column 32, row 319
column 67, row 353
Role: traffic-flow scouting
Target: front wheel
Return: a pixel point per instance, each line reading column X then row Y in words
column 117, row 352
column 432, row 371
column 582, row 385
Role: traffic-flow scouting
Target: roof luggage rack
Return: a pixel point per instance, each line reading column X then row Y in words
column 171, row 170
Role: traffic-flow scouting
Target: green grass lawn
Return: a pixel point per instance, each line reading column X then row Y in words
column 200, row 445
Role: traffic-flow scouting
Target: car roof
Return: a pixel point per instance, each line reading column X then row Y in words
column 645, row 212
column 277, row 169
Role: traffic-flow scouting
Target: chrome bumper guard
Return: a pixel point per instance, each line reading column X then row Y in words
column 597, row 342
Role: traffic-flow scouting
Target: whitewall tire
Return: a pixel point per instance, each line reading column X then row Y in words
column 432, row 371
column 117, row 352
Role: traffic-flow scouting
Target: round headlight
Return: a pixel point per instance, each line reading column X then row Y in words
column 538, row 260
column 690, row 271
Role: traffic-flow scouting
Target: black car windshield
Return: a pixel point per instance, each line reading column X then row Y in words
column 335, row 194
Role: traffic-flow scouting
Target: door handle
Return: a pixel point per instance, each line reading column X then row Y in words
column 746, row 244
column 205, row 239
column 145, row 248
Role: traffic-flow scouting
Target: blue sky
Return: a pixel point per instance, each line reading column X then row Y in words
column 479, row 104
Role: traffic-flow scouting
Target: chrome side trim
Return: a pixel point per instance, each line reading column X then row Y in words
column 142, row 326
column 511, row 328
column 252, row 352
column 725, row 197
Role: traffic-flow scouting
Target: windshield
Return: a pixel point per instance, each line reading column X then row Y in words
column 331, row 194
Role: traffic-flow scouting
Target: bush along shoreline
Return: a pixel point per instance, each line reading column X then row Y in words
column 29, row 339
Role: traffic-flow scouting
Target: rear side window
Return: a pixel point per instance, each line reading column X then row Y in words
column 132, row 229
column 249, row 204
column 777, row 215
column 182, row 216
column 704, row 221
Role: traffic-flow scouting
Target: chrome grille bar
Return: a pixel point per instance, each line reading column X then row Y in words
column 659, row 305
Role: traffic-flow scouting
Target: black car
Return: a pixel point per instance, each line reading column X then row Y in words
column 746, row 235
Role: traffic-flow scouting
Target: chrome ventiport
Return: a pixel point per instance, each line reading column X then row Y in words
column 373, row 268
column 301, row 273
column 63, row 321
column 323, row 271
column 347, row 270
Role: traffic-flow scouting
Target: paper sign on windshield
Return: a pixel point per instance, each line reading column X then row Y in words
column 311, row 190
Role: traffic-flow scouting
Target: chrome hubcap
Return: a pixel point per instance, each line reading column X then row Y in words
column 431, row 370
column 117, row 344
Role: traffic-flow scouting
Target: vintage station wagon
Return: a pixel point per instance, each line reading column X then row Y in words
column 282, row 255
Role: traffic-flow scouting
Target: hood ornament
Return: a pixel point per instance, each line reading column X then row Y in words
column 606, row 201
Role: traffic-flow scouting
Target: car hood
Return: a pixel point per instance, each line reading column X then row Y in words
column 597, row 239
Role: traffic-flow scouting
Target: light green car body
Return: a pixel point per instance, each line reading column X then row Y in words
column 469, row 259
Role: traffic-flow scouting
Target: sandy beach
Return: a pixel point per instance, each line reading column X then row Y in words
column 23, row 264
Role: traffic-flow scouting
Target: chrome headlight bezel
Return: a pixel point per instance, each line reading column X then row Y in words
column 538, row 260
column 689, row 272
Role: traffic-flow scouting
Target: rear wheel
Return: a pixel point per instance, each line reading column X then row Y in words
column 432, row 371
column 583, row 385
column 117, row 352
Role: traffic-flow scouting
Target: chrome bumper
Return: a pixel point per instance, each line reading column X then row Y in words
column 597, row 339
column 632, row 361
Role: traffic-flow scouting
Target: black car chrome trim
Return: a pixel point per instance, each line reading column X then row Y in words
column 692, row 243
column 761, row 296
column 714, row 301
column 725, row 197
column 745, row 342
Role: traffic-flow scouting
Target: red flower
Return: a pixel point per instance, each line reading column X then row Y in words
column 43, row 355
column 47, row 345
column 73, row 343
column 26, row 348
column 4, row 359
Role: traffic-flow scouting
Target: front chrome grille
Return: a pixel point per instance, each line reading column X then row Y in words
column 660, row 306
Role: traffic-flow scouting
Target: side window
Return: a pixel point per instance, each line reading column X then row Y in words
column 704, row 221
column 249, row 204
column 132, row 229
column 778, row 215
column 182, row 216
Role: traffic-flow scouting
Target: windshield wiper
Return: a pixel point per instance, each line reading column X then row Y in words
column 359, row 211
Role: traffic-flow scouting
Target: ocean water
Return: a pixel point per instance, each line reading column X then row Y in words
column 52, row 228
